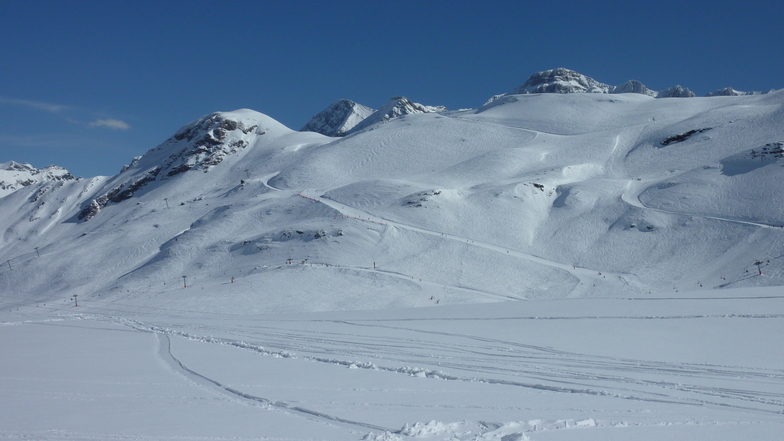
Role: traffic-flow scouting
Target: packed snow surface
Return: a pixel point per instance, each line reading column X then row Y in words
column 705, row 365
column 545, row 267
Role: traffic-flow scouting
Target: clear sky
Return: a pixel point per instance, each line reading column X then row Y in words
column 88, row 85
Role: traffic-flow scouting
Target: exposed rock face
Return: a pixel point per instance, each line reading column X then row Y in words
column 560, row 81
column 337, row 119
column 676, row 92
column 396, row 107
column 199, row 145
column 209, row 141
column 729, row 91
column 14, row 176
column 568, row 81
column 634, row 86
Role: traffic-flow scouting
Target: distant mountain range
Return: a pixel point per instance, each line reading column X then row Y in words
column 344, row 117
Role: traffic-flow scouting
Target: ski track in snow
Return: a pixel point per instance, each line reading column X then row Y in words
column 551, row 370
column 584, row 276
column 634, row 189
column 402, row 347
column 164, row 352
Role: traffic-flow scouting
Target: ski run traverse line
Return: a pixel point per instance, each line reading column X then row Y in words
column 620, row 384
column 632, row 197
column 581, row 274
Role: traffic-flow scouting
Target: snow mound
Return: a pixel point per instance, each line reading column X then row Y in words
column 458, row 431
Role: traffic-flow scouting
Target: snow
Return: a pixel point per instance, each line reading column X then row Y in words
column 568, row 81
column 14, row 176
column 544, row 267
column 699, row 366
column 396, row 107
column 337, row 119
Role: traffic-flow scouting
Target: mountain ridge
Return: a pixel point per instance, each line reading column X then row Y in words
column 343, row 116
column 14, row 175
column 517, row 199
column 563, row 80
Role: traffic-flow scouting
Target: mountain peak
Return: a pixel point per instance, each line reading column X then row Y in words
column 634, row 86
column 563, row 80
column 729, row 91
column 396, row 107
column 15, row 175
column 560, row 80
column 200, row 145
column 337, row 119
column 676, row 92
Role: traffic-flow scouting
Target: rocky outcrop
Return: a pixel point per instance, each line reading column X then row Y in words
column 337, row 119
column 568, row 81
column 676, row 92
column 14, row 175
column 634, row 86
column 560, row 81
column 396, row 107
column 200, row 145
column 729, row 91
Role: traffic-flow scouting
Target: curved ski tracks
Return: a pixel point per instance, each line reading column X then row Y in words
column 567, row 372
column 164, row 352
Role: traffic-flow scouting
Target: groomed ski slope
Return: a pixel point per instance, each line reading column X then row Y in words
column 545, row 267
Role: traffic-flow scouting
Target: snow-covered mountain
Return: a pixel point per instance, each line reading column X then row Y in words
column 561, row 81
column 676, row 92
column 530, row 196
column 345, row 116
column 14, row 176
column 200, row 145
column 396, row 107
column 729, row 91
column 634, row 86
column 568, row 81
column 548, row 266
column 337, row 119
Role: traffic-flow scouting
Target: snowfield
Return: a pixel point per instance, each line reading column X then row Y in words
column 545, row 267
column 703, row 365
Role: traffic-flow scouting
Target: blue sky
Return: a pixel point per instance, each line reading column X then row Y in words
column 87, row 85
